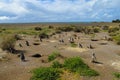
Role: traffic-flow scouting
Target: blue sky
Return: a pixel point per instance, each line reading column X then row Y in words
column 58, row 10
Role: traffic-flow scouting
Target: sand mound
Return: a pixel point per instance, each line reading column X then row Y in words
column 53, row 41
column 76, row 49
column 0, row 50
column 116, row 65
column 2, row 53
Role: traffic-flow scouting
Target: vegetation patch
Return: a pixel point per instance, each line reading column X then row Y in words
column 46, row 73
column 73, row 45
column 72, row 65
column 117, row 39
column 43, row 35
column 56, row 64
column 116, row 21
column 113, row 29
column 117, row 75
column 96, row 29
column 38, row 28
column 8, row 43
column 76, row 64
column 65, row 29
column 53, row 56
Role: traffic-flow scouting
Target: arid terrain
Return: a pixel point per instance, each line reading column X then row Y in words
column 107, row 52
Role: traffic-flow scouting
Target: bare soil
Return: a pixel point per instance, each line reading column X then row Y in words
column 107, row 56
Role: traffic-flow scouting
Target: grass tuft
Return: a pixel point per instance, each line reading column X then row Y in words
column 73, row 45
column 117, row 75
column 46, row 73
column 76, row 64
column 53, row 56
column 56, row 64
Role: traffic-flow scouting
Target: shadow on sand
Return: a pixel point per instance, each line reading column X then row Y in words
column 20, row 51
column 96, row 62
column 25, row 61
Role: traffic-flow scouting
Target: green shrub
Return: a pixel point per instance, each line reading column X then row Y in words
column 17, row 37
column 116, row 21
column 77, row 29
column 38, row 28
column 24, row 32
column 56, row 64
column 118, row 42
column 105, row 27
column 53, row 56
column 74, row 63
column 8, row 42
column 87, row 72
column 1, row 31
column 50, row 27
column 117, row 39
column 117, row 75
column 66, row 28
column 113, row 33
column 73, row 45
column 96, row 29
column 58, row 31
column 77, row 65
column 114, row 29
column 46, row 73
column 43, row 35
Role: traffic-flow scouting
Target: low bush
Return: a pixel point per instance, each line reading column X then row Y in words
column 43, row 35
column 118, row 42
column 46, row 73
column 17, row 37
column 76, row 64
column 66, row 28
column 117, row 75
column 116, row 21
column 117, row 39
column 87, row 72
column 50, row 27
column 77, row 29
column 73, row 45
column 96, row 30
column 53, row 56
column 58, row 31
column 56, row 64
column 113, row 33
column 38, row 28
column 113, row 29
column 1, row 31
column 105, row 27
column 8, row 43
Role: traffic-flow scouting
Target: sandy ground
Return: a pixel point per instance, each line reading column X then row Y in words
column 107, row 56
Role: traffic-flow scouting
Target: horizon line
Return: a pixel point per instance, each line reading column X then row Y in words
column 57, row 22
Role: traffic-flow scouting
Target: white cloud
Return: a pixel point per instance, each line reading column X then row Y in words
column 4, row 18
column 61, row 6
column 60, row 9
column 16, row 7
column 7, row 18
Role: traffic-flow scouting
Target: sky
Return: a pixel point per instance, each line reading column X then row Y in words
column 15, row 11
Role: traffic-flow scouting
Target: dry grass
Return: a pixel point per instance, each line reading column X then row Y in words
column 67, row 75
column 76, row 49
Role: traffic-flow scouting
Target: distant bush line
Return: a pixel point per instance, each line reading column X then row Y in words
column 116, row 21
